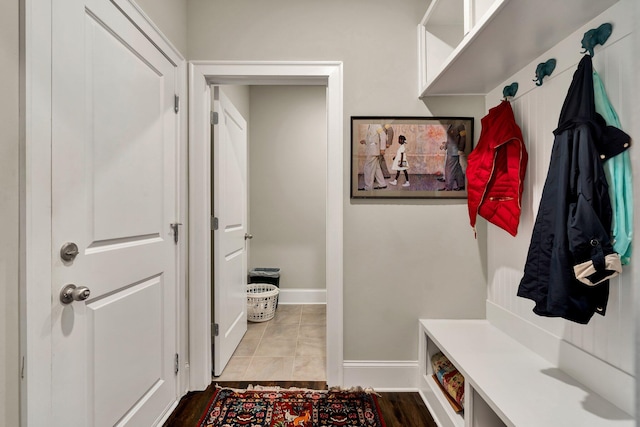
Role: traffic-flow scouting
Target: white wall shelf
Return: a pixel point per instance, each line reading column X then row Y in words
column 506, row 384
column 469, row 47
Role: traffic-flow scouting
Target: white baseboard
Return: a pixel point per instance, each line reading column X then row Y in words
column 302, row 296
column 381, row 375
column 608, row 381
column 538, row 340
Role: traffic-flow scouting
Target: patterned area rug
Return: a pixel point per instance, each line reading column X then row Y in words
column 292, row 408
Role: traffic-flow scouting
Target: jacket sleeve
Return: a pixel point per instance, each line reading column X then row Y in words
column 589, row 216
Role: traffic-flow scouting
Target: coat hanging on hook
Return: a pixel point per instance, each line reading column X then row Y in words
column 544, row 69
column 596, row 36
column 571, row 256
column 496, row 170
column 617, row 168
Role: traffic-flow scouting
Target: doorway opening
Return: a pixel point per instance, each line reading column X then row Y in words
column 202, row 74
column 286, row 228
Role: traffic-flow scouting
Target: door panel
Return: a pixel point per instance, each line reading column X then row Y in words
column 230, row 206
column 138, row 359
column 131, row 151
column 114, row 195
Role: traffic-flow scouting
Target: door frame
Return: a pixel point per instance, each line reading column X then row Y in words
column 36, row 251
column 201, row 75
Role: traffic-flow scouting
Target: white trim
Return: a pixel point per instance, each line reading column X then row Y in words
column 422, row 60
column 584, row 367
column 35, row 202
column 382, row 375
column 35, row 218
column 147, row 26
column 437, row 412
column 302, row 296
column 200, row 363
column 314, row 73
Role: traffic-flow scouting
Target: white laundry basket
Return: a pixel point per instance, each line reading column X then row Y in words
column 262, row 299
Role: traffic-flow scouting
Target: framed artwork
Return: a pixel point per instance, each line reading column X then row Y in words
column 410, row 157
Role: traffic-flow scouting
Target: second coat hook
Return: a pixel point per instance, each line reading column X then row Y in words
column 544, row 69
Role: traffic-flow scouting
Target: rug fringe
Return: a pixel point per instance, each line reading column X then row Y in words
column 334, row 389
column 356, row 389
column 259, row 387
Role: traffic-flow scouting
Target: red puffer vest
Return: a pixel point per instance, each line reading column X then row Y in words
column 495, row 170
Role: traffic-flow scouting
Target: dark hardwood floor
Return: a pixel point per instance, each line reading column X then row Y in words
column 398, row 409
column 405, row 409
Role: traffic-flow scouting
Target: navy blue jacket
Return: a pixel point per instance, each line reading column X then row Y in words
column 570, row 256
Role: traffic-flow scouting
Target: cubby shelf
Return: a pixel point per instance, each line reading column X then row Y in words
column 506, row 384
column 469, row 47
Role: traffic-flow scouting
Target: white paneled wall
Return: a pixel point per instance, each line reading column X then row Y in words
column 609, row 338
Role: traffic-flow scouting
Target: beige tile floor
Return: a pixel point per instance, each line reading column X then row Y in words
column 289, row 347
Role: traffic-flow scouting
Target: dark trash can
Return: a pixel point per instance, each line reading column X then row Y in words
column 265, row 275
column 269, row 275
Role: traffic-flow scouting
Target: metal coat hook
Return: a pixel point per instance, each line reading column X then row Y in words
column 510, row 91
column 596, row 36
column 544, row 69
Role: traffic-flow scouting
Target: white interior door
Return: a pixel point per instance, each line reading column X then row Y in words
column 114, row 150
column 229, row 244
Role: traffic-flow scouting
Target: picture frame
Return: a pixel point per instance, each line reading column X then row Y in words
column 421, row 149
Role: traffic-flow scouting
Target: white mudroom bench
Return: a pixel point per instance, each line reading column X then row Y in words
column 506, row 383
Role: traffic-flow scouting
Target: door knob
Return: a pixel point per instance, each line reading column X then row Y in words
column 71, row 293
column 248, row 236
column 69, row 251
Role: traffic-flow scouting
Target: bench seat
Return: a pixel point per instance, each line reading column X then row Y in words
column 505, row 382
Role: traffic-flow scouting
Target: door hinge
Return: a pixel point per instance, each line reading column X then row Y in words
column 176, row 103
column 214, row 118
column 214, row 223
column 176, row 231
column 215, row 329
column 176, row 367
column 22, row 368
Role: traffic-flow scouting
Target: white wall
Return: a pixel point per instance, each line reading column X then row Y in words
column 9, row 212
column 404, row 260
column 609, row 338
column 170, row 16
column 287, row 186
